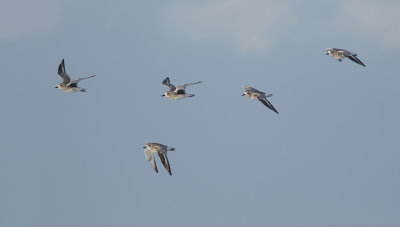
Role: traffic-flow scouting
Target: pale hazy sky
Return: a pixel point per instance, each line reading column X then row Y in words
column 331, row 157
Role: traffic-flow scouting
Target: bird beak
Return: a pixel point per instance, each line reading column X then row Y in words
column 327, row 54
column 56, row 87
column 162, row 95
column 243, row 94
column 144, row 147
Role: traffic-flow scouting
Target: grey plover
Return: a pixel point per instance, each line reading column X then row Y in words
column 69, row 85
column 256, row 94
column 339, row 54
column 178, row 91
column 161, row 150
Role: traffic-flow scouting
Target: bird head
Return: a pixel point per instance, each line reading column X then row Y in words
column 328, row 51
column 166, row 94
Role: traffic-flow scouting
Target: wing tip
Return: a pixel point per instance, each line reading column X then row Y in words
column 268, row 104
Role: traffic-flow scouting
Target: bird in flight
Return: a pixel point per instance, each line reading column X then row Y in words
column 253, row 93
column 339, row 54
column 161, row 150
column 178, row 91
column 67, row 84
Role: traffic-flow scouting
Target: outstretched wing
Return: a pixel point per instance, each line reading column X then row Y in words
column 247, row 88
column 151, row 159
column 167, row 83
column 355, row 59
column 62, row 73
column 75, row 81
column 267, row 104
column 183, row 86
column 165, row 162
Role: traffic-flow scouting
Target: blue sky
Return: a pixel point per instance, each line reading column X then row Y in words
column 329, row 158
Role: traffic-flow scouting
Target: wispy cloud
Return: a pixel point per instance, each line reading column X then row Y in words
column 370, row 19
column 257, row 26
column 27, row 19
column 248, row 26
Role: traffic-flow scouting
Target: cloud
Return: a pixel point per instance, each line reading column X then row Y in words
column 248, row 26
column 378, row 20
column 263, row 26
column 27, row 19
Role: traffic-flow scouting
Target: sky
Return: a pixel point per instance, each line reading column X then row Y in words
column 330, row 158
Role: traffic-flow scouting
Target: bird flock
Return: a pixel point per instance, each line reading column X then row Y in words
column 177, row 92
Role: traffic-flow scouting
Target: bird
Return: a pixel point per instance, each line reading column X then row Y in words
column 253, row 93
column 67, row 84
column 161, row 150
column 339, row 54
column 176, row 92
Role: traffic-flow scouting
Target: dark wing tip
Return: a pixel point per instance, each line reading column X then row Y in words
column 155, row 166
column 268, row 104
column 355, row 59
column 166, row 81
column 61, row 67
column 165, row 162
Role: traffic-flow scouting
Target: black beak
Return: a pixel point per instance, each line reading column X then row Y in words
column 327, row 54
column 56, row 87
column 243, row 94
column 144, row 147
column 162, row 95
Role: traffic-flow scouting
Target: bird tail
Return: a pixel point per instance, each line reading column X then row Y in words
column 171, row 148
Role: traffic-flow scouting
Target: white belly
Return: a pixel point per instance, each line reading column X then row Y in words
column 69, row 89
column 176, row 97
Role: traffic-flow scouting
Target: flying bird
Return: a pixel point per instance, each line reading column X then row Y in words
column 339, row 54
column 67, row 84
column 178, row 91
column 161, row 150
column 256, row 94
